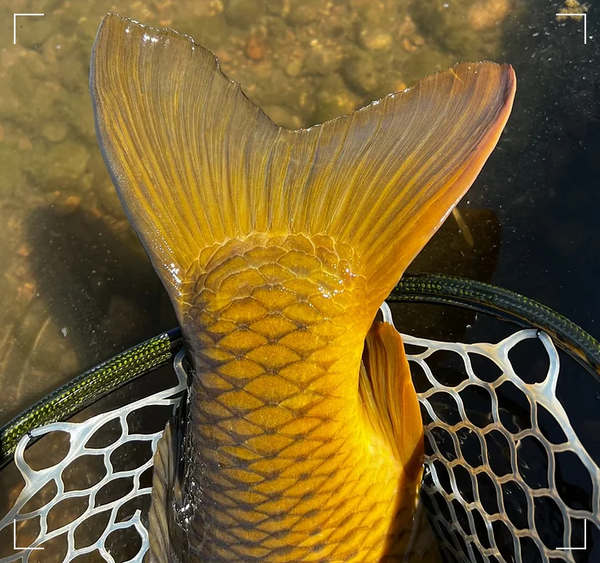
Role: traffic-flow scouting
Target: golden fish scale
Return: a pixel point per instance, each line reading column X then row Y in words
column 285, row 463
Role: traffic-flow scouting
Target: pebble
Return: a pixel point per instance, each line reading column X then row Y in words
column 359, row 71
column 413, row 43
column 33, row 31
column 61, row 164
column 255, row 48
column 26, row 292
column 467, row 29
column 333, row 99
column 212, row 32
column 375, row 39
column 303, row 12
column 87, row 27
column 243, row 13
column 322, row 59
column 277, row 7
column 25, row 143
column 407, row 27
column 55, row 131
column 294, row 67
column 487, row 15
column 283, row 117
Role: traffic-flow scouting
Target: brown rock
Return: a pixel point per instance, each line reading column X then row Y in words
column 413, row 43
column 255, row 48
column 487, row 15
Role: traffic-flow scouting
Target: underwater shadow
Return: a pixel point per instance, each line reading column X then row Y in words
column 99, row 287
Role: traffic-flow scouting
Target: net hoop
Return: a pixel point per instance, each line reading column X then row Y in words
column 465, row 526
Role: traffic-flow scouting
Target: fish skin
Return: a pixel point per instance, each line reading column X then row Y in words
column 289, row 467
column 289, row 455
column 287, row 463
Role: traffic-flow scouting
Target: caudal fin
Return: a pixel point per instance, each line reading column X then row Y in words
column 196, row 163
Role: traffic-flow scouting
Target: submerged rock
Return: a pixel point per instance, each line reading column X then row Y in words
column 471, row 30
column 322, row 59
column 333, row 99
column 360, row 72
column 243, row 13
column 487, row 15
column 255, row 47
column 425, row 61
column 55, row 131
column 283, row 117
column 60, row 165
column 294, row 67
column 304, row 12
column 375, row 39
column 24, row 74
column 32, row 31
column 210, row 31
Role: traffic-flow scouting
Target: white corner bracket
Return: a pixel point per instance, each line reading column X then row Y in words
column 15, row 25
column 16, row 547
column 584, row 547
column 584, row 16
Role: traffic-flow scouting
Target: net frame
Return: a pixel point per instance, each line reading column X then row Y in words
column 80, row 434
column 539, row 394
column 448, row 530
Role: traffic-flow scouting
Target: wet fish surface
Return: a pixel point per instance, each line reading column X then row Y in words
column 303, row 438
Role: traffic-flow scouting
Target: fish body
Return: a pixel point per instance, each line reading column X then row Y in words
column 291, row 466
column 303, row 439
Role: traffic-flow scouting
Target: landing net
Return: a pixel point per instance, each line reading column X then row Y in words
column 58, row 477
column 488, row 498
column 508, row 501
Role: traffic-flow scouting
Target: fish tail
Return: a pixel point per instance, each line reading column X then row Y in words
column 277, row 248
column 197, row 164
column 161, row 549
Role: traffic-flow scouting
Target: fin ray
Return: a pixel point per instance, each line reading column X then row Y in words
column 196, row 163
column 389, row 398
column 166, row 537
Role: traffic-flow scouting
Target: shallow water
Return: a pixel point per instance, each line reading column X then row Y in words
column 77, row 287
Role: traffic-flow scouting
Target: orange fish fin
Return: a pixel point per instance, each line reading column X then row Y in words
column 389, row 398
column 196, row 163
column 164, row 533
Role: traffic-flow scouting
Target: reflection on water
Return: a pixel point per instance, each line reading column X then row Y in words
column 76, row 286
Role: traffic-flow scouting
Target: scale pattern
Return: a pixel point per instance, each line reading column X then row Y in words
column 455, row 506
column 286, row 467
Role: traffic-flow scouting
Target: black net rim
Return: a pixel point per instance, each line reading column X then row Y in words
column 92, row 385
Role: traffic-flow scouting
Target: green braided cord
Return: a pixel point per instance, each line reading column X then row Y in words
column 423, row 288
column 447, row 290
column 89, row 387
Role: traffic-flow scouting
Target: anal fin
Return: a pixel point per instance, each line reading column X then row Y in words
column 167, row 538
column 389, row 397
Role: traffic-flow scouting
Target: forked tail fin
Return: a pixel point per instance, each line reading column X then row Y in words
column 196, row 163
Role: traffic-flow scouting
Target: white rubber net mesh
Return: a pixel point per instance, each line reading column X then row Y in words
column 488, row 498
column 494, row 487
column 51, row 521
